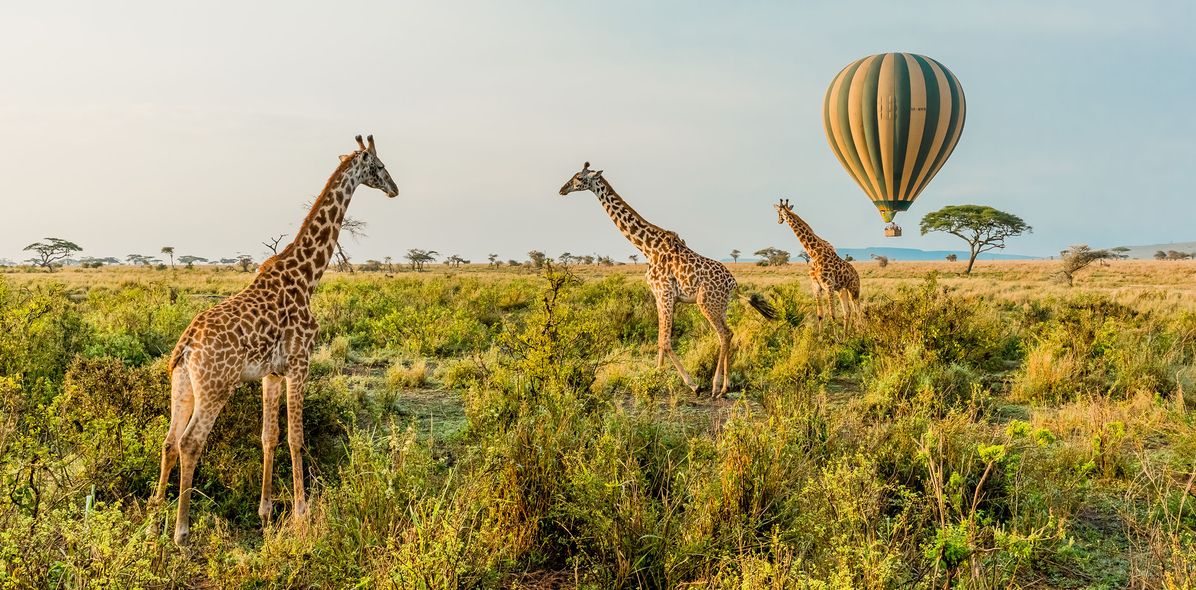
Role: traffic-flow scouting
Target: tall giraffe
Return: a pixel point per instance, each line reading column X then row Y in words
column 828, row 273
column 264, row 332
column 675, row 274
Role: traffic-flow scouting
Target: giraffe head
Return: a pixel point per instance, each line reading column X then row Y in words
column 783, row 209
column 373, row 171
column 586, row 180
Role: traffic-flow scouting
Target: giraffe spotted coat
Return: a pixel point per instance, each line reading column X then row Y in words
column 829, row 274
column 264, row 332
column 676, row 274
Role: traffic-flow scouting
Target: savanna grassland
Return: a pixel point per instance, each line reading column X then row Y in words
column 508, row 428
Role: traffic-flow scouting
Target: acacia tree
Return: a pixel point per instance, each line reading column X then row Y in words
column 245, row 261
column 537, row 258
column 773, row 257
column 494, row 261
column 1077, row 257
column 139, row 260
column 982, row 227
column 190, row 260
column 50, row 251
column 418, row 258
column 735, row 255
column 169, row 251
column 634, row 258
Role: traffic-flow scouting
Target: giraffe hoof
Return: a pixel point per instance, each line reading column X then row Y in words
column 180, row 536
column 264, row 511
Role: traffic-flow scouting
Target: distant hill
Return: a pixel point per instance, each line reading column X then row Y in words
column 1148, row 251
column 916, row 254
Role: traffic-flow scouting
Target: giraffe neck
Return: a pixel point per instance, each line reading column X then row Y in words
column 314, row 243
column 814, row 245
column 639, row 231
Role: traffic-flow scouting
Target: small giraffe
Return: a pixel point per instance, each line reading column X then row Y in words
column 828, row 272
column 264, row 332
column 675, row 274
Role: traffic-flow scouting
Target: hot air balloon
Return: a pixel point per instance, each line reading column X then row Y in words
column 893, row 119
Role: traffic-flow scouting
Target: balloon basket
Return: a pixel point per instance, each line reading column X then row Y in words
column 892, row 231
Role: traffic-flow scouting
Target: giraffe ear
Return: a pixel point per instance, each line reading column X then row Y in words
column 344, row 157
column 597, row 174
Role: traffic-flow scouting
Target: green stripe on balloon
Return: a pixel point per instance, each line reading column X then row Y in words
column 871, row 134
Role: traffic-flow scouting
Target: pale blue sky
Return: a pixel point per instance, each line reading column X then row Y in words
column 131, row 125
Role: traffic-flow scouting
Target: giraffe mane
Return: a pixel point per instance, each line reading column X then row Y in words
column 323, row 196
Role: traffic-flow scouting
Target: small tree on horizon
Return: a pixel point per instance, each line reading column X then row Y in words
column 634, row 258
column 169, row 251
column 952, row 258
column 773, row 256
column 881, row 261
column 245, row 261
column 1078, row 257
column 1160, row 255
column 190, row 261
column 537, row 258
column 983, row 228
column 418, row 258
column 139, row 260
column 50, row 251
column 735, row 255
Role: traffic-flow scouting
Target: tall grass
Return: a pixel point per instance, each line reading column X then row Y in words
column 499, row 430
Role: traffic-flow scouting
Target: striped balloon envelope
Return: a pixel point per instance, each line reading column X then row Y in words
column 892, row 120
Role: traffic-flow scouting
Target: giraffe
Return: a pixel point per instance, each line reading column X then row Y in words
column 828, row 273
column 676, row 274
column 264, row 332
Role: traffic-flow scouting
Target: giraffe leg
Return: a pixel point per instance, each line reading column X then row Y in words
column 296, row 379
column 717, row 316
column 181, row 403
column 209, row 400
column 830, row 305
column 817, row 303
column 664, row 337
column 271, row 395
column 845, row 303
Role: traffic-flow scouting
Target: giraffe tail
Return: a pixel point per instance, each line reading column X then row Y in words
column 762, row 305
column 176, row 356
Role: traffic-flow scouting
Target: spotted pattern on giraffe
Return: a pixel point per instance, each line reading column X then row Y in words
column 676, row 274
column 829, row 274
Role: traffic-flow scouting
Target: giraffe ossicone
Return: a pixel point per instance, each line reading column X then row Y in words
column 264, row 332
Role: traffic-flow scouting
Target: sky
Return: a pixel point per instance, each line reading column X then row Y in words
column 127, row 126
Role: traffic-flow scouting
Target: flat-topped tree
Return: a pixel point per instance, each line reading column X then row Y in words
column 1079, row 256
column 676, row 274
column 51, row 250
column 264, row 332
column 190, row 260
column 982, row 227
